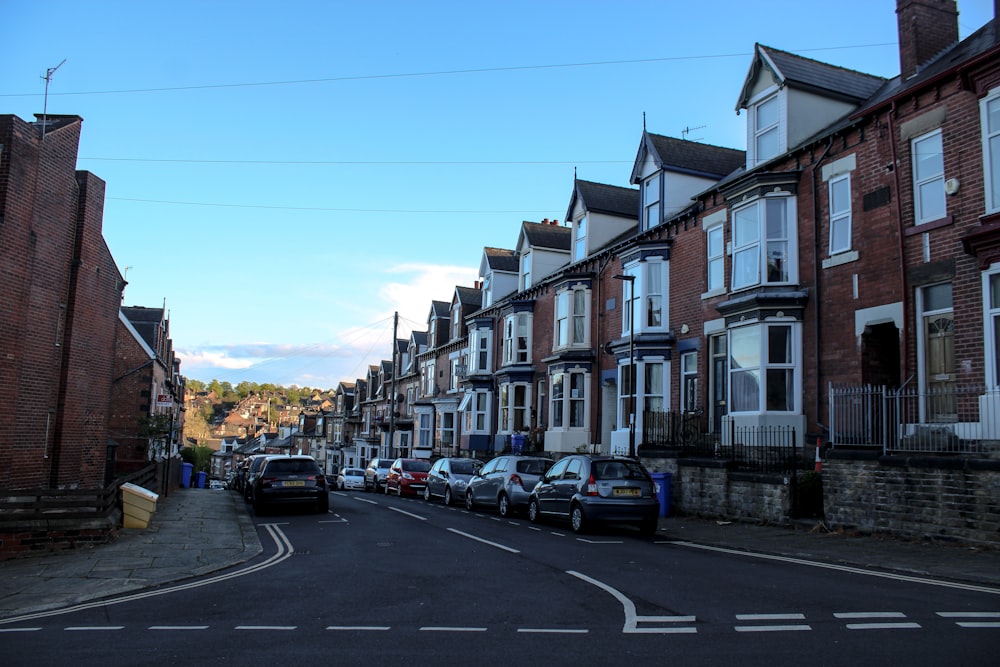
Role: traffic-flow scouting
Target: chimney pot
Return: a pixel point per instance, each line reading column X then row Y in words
column 926, row 28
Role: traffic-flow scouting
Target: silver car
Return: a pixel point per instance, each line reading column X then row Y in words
column 506, row 483
column 351, row 478
column 448, row 478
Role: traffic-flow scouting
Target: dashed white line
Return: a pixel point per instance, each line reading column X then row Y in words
column 437, row 628
column 772, row 628
column 178, row 627
column 770, row 617
column 555, row 631
column 363, row 628
column 479, row 539
column 94, row 628
column 19, row 629
column 882, row 626
column 869, row 614
column 266, row 627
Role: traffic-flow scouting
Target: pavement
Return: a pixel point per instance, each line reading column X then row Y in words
column 194, row 532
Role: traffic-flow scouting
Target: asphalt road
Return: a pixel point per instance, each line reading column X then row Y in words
column 385, row 580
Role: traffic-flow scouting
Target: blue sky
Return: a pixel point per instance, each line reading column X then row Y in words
column 285, row 176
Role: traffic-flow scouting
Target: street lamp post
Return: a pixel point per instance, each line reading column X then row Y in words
column 631, row 360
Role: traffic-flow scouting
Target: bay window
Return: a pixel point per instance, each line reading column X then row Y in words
column 571, row 318
column 513, row 407
column 517, row 339
column 990, row 122
column 568, row 400
column 764, row 243
column 763, row 374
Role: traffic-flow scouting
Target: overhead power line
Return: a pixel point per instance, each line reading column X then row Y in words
column 320, row 208
column 356, row 162
column 402, row 75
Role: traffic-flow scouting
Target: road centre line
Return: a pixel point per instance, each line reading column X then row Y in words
column 358, row 627
column 488, row 542
column 438, row 628
column 266, row 627
column 771, row 628
column 409, row 514
column 178, row 627
column 94, row 628
column 554, row 631
column 868, row 614
column 20, row 629
column 969, row 614
column 770, row 617
column 840, row 568
column 882, row 626
column 978, row 624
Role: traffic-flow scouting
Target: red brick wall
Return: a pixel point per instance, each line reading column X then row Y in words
column 60, row 300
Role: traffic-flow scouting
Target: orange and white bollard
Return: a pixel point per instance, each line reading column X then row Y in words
column 819, row 462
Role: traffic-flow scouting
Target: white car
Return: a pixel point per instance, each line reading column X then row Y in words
column 351, row 478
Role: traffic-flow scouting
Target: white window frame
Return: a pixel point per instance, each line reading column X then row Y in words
column 748, row 356
column 991, row 330
column 651, row 201
column 840, row 216
column 480, row 412
column 481, row 352
column 654, row 386
column 517, row 339
column 525, row 271
column 456, row 320
column 572, row 308
column 756, row 248
column 756, row 131
column 689, row 376
column 715, row 249
column 424, row 431
column 569, row 389
column 931, row 179
column 991, row 149
column 512, row 414
column 580, row 244
column 447, row 435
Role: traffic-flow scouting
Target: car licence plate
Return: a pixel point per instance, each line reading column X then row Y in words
column 626, row 492
column 297, row 482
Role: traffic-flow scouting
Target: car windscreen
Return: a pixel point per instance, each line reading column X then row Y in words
column 416, row 466
column 290, row 466
column 465, row 467
column 532, row 466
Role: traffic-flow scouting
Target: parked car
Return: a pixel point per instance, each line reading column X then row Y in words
column 448, row 478
column 587, row 489
column 506, row 483
column 407, row 476
column 284, row 480
column 351, row 478
column 253, row 467
column 375, row 474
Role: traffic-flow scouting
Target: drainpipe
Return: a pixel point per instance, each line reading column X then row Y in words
column 816, row 264
column 903, row 337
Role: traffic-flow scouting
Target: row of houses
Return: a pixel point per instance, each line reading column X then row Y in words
column 91, row 390
column 730, row 293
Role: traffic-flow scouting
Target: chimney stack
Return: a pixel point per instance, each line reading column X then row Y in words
column 926, row 28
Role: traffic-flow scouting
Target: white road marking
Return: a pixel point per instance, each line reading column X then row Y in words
column 358, row 627
column 479, row 539
column 554, row 631
column 365, row 500
column 586, row 541
column 869, row 614
column 841, row 568
column 265, row 627
column 178, row 627
column 284, row 551
column 92, row 628
column 436, row 628
column 770, row 617
column 882, row 626
column 978, row 624
column 771, row 628
column 632, row 620
column 19, row 629
column 409, row 514
column 969, row 614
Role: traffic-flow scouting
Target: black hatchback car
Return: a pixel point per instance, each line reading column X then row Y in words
column 587, row 489
column 284, row 480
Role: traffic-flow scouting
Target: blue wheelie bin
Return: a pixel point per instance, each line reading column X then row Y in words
column 662, row 481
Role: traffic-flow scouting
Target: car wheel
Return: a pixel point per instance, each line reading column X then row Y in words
column 470, row 502
column 503, row 504
column 534, row 515
column 399, row 491
column 577, row 519
column 447, row 496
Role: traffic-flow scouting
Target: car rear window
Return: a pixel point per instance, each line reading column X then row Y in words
column 291, row 466
column 385, row 464
column 465, row 467
column 618, row 470
column 354, row 472
column 532, row 467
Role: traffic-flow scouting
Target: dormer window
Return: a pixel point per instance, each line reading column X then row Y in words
column 456, row 320
column 651, row 202
column 580, row 247
column 526, row 271
column 765, row 131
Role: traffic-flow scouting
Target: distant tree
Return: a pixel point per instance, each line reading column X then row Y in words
column 245, row 388
column 197, row 386
column 199, row 456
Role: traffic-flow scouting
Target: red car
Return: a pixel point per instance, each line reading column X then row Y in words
column 407, row 476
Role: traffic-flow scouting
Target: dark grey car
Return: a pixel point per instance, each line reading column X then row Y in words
column 506, row 483
column 449, row 477
column 587, row 489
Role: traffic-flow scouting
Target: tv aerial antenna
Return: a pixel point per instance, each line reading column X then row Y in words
column 45, row 105
column 688, row 130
